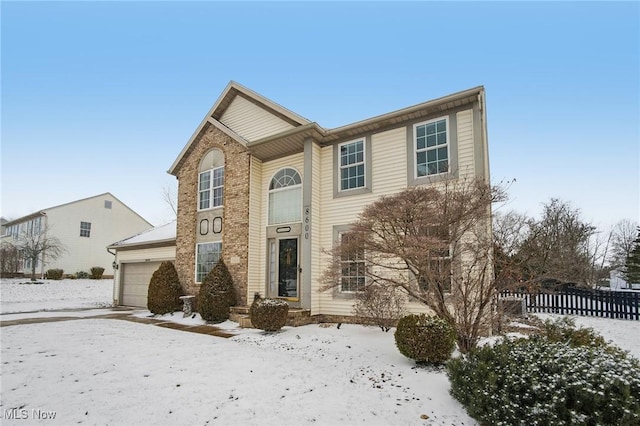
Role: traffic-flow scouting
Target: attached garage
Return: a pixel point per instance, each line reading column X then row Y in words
column 136, row 259
column 135, row 282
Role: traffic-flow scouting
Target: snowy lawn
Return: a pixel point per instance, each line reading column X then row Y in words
column 53, row 294
column 107, row 371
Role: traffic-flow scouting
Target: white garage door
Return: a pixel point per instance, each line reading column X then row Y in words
column 135, row 282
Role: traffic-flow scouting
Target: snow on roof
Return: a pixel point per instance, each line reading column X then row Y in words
column 157, row 234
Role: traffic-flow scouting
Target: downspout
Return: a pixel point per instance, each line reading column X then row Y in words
column 116, row 280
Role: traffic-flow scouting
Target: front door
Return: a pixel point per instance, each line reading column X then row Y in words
column 284, row 267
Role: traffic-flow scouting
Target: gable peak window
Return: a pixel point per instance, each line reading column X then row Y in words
column 352, row 170
column 285, row 197
column 432, row 147
column 211, row 180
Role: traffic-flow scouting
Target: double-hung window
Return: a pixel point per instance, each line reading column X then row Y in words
column 438, row 263
column 352, row 170
column 85, row 229
column 432, row 147
column 352, row 262
column 207, row 255
column 211, row 180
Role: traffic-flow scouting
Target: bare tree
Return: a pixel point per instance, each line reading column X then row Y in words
column 623, row 236
column 559, row 244
column 37, row 245
column 434, row 244
column 170, row 197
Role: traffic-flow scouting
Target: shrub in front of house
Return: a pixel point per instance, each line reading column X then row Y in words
column 96, row 272
column 164, row 292
column 425, row 339
column 380, row 305
column 82, row 275
column 268, row 314
column 536, row 381
column 217, row 294
column 564, row 330
column 55, row 274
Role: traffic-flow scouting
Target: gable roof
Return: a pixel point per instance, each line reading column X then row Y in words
column 159, row 235
column 223, row 102
column 291, row 141
column 44, row 211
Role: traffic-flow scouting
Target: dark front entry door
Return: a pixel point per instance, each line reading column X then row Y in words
column 288, row 268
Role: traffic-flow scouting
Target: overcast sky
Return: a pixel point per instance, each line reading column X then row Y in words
column 102, row 96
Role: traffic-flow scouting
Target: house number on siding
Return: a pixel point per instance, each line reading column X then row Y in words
column 307, row 222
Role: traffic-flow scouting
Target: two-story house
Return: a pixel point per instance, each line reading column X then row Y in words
column 267, row 190
column 84, row 228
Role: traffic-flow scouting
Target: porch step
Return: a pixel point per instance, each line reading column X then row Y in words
column 295, row 318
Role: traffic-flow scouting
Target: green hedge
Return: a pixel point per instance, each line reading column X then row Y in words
column 217, row 294
column 537, row 381
column 268, row 314
column 55, row 274
column 164, row 292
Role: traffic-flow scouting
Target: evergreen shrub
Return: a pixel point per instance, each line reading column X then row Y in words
column 536, row 381
column 564, row 330
column 217, row 294
column 55, row 274
column 425, row 339
column 96, row 272
column 164, row 292
column 268, row 314
column 82, row 275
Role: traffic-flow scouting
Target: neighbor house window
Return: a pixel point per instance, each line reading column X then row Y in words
column 207, row 255
column 211, row 180
column 85, row 229
column 352, row 262
column 107, row 204
column 285, row 197
column 33, row 226
column 352, row 168
column 431, row 147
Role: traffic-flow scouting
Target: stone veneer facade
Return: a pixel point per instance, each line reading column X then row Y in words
column 235, row 213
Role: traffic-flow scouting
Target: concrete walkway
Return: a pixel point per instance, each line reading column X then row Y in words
column 118, row 314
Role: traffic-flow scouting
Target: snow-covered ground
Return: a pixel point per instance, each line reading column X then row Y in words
column 108, row 371
column 19, row 295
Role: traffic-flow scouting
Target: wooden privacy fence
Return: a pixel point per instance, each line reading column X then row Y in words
column 585, row 302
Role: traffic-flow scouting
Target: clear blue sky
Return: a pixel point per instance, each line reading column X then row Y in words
column 102, row 96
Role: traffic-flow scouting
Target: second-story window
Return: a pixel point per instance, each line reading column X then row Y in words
column 432, row 147
column 85, row 229
column 211, row 180
column 352, row 168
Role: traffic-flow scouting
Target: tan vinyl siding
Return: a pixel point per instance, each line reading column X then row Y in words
column 259, row 253
column 250, row 121
column 466, row 162
column 388, row 152
column 256, row 273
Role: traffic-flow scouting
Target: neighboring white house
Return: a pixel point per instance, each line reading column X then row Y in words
column 137, row 258
column 84, row 227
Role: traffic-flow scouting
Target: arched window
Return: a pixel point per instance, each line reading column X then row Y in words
column 285, row 197
column 211, row 180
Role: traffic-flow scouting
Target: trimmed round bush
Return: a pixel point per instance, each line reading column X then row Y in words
column 55, row 274
column 217, row 294
column 96, row 272
column 268, row 314
column 536, row 381
column 164, row 292
column 425, row 339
